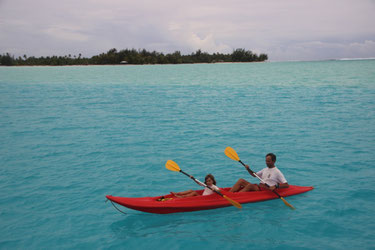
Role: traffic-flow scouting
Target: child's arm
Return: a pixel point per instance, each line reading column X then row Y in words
column 198, row 182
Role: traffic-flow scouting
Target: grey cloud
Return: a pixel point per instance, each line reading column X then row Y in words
column 285, row 30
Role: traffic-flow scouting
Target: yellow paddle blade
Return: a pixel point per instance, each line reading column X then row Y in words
column 287, row 203
column 234, row 203
column 231, row 153
column 171, row 165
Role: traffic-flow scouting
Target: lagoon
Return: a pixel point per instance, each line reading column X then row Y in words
column 71, row 135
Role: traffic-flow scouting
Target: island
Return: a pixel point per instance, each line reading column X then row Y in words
column 133, row 57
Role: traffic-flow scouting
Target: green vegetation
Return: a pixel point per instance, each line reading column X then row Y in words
column 135, row 57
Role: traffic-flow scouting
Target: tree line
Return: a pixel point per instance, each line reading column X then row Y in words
column 133, row 56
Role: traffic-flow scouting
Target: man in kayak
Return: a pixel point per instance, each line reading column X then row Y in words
column 271, row 175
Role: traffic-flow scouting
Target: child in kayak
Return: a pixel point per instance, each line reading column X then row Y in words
column 209, row 180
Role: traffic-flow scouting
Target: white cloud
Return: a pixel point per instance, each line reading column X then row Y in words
column 185, row 36
column 207, row 44
column 68, row 33
column 318, row 50
column 363, row 47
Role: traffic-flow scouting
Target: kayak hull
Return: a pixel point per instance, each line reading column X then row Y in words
column 170, row 204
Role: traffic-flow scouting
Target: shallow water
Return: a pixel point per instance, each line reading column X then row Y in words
column 71, row 135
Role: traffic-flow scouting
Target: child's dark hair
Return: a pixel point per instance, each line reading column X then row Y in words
column 211, row 177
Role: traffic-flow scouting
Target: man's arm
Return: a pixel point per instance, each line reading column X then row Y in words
column 284, row 185
column 281, row 185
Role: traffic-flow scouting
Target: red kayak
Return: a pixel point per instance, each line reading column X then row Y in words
column 170, row 204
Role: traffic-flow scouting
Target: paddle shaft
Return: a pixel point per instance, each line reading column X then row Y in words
column 253, row 173
column 204, row 184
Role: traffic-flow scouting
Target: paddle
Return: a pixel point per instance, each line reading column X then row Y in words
column 231, row 153
column 171, row 165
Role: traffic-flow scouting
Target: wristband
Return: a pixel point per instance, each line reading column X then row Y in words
column 277, row 185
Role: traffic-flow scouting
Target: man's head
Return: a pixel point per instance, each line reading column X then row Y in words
column 270, row 160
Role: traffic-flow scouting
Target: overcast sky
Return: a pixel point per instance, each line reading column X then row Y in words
column 283, row 29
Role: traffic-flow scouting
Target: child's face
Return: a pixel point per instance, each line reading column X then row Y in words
column 209, row 181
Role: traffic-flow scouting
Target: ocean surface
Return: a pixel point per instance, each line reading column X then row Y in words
column 71, row 135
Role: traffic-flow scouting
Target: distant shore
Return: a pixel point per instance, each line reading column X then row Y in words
column 134, row 57
column 156, row 64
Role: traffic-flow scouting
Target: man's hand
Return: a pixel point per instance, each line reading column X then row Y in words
column 248, row 169
column 265, row 186
column 272, row 188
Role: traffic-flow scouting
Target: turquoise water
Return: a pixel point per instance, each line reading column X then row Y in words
column 71, row 135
